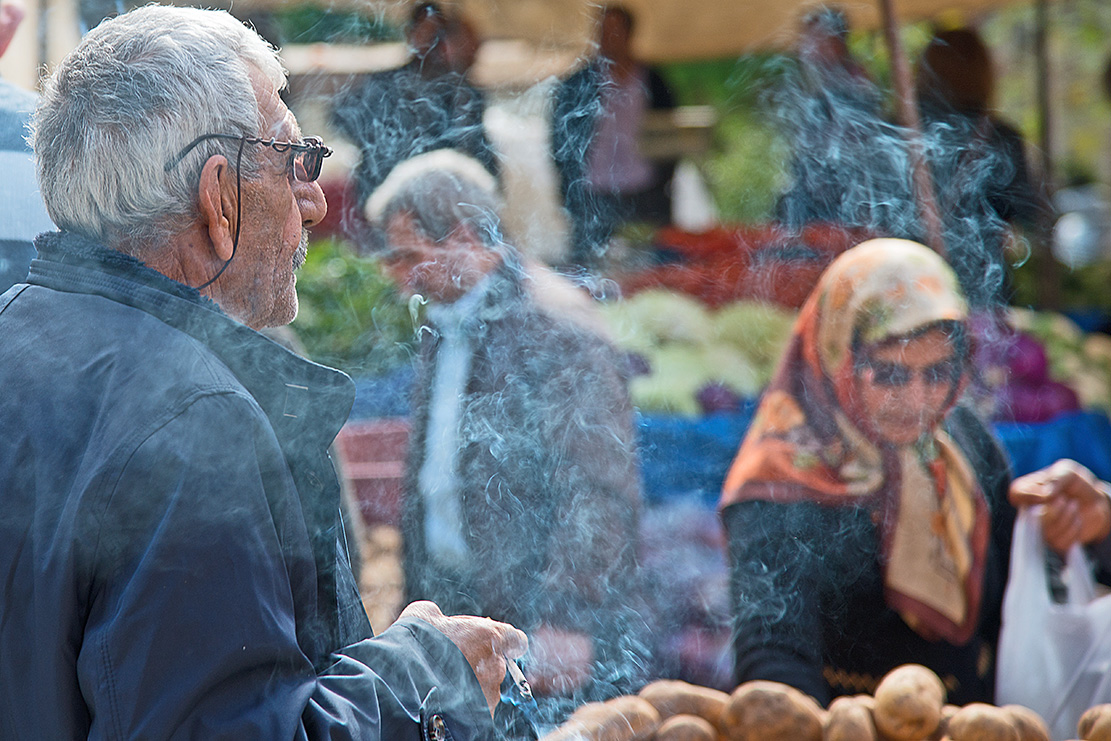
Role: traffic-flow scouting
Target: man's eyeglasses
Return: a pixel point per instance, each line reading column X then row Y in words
column 308, row 157
column 897, row 375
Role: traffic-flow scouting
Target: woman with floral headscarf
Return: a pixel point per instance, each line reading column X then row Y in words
column 866, row 513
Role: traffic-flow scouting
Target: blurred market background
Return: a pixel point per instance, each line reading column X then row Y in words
column 701, row 306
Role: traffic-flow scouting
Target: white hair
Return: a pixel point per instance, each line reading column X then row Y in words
column 134, row 93
column 441, row 189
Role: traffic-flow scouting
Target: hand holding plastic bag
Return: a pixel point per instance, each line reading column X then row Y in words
column 1052, row 658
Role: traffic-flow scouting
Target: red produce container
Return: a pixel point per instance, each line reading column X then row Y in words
column 372, row 460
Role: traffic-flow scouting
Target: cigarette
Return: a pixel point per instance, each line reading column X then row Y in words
column 519, row 678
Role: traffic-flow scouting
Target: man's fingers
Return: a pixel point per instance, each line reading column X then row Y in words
column 423, row 609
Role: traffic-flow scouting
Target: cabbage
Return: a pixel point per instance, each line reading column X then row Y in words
column 668, row 316
column 677, row 374
column 760, row 329
column 624, row 328
column 1097, row 348
column 1093, row 387
column 733, row 368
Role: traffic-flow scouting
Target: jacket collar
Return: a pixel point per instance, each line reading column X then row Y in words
column 306, row 403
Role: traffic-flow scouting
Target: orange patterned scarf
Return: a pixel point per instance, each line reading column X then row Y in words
column 809, row 442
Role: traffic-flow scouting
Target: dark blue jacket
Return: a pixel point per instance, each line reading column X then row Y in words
column 171, row 555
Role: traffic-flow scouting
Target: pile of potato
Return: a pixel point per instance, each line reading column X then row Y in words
column 908, row 705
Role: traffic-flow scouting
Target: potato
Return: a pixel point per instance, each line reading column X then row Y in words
column 979, row 721
column 584, row 723
column 1095, row 724
column 770, row 711
column 673, row 697
column 684, row 727
column 942, row 732
column 1029, row 724
column 626, row 718
column 908, row 703
column 849, row 719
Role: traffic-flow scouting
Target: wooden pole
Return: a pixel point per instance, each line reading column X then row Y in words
column 1049, row 273
column 907, row 111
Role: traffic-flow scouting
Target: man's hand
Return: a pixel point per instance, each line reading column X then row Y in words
column 1076, row 504
column 486, row 643
column 559, row 660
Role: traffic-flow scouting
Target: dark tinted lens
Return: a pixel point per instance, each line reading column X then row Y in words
column 942, row 373
column 302, row 164
column 890, row 374
column 314, row 158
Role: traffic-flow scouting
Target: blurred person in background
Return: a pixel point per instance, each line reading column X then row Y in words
column 522, row 491
column 597, row 114
column 983, row 184
column 22, row 214
column 173, row 559
column 832, row 111
column 866, row 511
column 426, row 104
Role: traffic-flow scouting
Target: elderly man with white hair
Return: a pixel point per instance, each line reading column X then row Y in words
column 173, row 559
column 522, row 489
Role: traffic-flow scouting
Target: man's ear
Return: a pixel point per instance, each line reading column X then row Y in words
column 216, row 194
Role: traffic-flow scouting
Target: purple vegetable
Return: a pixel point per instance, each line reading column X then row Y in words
column 717, row 397
column 637, row 365
column 1025, row 402
column 1027, row 360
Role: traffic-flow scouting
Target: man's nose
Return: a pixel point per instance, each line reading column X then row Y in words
column 311, row 202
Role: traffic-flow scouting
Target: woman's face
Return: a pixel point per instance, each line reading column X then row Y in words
column 904, row 385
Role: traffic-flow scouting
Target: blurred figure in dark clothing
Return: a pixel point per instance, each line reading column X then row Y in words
column 978, row 163
column 596, row 119
column 426, row 104
column 521, row 493
column 832, row 113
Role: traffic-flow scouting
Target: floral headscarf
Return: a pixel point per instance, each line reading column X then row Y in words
column 809, row 441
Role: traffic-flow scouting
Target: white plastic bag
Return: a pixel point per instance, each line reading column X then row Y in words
column 1052, row 658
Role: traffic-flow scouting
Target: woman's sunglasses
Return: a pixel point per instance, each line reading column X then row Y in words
column 897, row 375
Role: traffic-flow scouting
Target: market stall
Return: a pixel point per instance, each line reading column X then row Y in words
column 702, row 327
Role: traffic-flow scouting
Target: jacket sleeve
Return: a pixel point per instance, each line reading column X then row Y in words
column 590, row 580
column 775, row 568
column 202, row 572
column 594, row 478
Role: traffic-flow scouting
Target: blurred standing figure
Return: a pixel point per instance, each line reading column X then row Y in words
column 978, row 163
column 173, row 558
column 22, row 214
column 424, row 105
column 522, row 492
column 832, row 111
column 596, row 120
